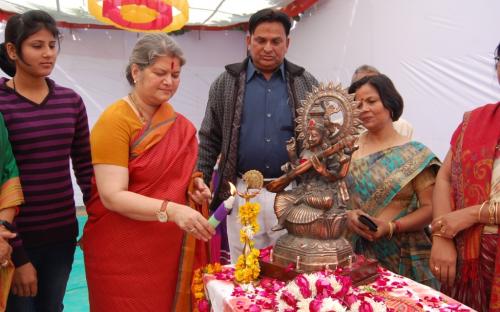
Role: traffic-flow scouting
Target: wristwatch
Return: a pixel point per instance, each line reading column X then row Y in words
column 161, row 214
column 8, row 226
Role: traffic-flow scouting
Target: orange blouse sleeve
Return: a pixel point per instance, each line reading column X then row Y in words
column 111, row 135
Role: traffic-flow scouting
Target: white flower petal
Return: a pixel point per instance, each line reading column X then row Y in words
column 312, row 278
column 295, row 291
column 330, row 304
column 303, row 305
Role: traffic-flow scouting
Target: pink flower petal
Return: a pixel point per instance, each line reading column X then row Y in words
column 303, row 285
column 288, row 298
column 323, row 287
column 315, row 305
column 203, row 306
column 289, row 267
column 365, row 307
column 254, row 308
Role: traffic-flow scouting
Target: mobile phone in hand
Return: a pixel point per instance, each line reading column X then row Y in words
column 368, row 222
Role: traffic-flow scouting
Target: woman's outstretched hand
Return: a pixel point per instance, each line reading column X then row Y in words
column 190, row 221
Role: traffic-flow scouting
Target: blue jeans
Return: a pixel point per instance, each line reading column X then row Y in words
column 53, row 265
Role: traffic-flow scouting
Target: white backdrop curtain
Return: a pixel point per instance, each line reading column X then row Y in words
column 439, row 53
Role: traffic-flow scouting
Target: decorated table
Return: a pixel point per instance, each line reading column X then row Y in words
column 314, row 215
column 389, row 292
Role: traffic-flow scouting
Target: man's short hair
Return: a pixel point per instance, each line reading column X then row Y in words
column 366, row 69
column 268, row 16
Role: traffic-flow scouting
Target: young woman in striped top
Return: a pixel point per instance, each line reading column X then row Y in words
column 47, row 125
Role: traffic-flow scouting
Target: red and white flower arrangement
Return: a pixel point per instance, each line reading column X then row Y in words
column 326, row 291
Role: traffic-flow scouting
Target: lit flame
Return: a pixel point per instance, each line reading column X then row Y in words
column 232, row 188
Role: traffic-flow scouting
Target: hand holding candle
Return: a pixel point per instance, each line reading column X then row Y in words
column 223, row 209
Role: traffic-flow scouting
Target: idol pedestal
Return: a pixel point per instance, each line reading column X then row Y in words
column 294, row 255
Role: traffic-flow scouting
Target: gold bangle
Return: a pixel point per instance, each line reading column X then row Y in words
column 391, row 230
column 481, row 208
column 442, row 235
column 491, row 212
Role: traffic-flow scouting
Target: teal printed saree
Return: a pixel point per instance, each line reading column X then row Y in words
column 393, row 177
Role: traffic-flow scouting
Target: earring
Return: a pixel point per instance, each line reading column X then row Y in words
column 135, row 81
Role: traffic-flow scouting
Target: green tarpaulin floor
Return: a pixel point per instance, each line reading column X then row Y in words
column 76, row 298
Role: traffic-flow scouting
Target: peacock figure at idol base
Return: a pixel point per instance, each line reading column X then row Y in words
column 313, row 212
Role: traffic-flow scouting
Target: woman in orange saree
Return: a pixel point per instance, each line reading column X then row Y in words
column 465, row 256
column 139, row 242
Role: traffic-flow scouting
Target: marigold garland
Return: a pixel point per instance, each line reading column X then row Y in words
column 198, row 289
column 247, row 267
column 248, row 213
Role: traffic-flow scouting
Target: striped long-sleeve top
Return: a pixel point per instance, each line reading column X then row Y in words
column 44, row 137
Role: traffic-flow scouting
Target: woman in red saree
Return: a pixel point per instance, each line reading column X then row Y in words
column 139, row 242
column 465, row 256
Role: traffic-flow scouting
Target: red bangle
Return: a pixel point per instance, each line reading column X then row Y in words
column 397, row 224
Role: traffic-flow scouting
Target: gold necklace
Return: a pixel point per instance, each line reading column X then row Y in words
column 137, row 108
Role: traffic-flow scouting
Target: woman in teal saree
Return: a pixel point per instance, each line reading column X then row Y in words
column 390, row 181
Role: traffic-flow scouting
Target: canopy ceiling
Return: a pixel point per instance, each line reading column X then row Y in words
column 203, row 14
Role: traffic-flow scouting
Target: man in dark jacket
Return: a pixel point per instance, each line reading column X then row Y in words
column 250, row 116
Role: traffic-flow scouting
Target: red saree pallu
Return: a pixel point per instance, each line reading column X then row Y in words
column 146, row 266
column 473, row 153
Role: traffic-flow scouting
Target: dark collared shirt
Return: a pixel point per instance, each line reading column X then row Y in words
column 266, row 123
